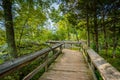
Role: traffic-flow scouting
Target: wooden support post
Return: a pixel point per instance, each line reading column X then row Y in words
column 93, row 70
column 53, row 52
column 60, row 48
column 46, row 59
column 64, row 44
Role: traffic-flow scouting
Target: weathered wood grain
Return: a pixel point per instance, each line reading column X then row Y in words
column 69, row 66
column 65, row 42
column 35, row 71
column 106, row 70
column 17, row 63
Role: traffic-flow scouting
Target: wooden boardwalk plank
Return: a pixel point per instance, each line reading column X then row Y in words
column 68, row 66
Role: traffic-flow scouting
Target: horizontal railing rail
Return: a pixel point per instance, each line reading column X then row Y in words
column 68, row 44
column 17, row 63
column 95, row 62
column 99, row 64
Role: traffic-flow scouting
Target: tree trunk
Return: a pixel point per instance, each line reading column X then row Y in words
column 96, row 27
column 68, row 33
column 23, row 27
column 7, row 5
column 104, row 32
column 76, row 33
column 88, row 30
column 22, row 31
column 115, row 39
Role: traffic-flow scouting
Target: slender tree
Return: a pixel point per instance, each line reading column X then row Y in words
column 88, row 27
column 114, row 32
column 7, row 5
column 104, row 31
column 96, row 26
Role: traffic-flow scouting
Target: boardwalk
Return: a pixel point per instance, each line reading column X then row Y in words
column 69, row 66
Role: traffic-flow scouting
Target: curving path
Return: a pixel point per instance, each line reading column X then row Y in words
column 70, row 65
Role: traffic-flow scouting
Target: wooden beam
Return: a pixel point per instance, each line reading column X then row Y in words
column 17, row 63
column 106, row 70
column 65, row 42
column 35, row 71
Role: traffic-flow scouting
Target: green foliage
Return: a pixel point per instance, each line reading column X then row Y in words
column 1, row 61
column 55, row 15
column 70, row 24
column 103, row 18
column 2, row 37
column 114, row 61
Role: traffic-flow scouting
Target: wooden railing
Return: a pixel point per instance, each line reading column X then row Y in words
column 97, row 64
column 65, row 42
column 71, row 43
column 17, row 63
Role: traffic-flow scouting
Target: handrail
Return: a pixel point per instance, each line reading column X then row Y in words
column 96, row 62
column 48, row 46
column 67, row 42
column 17, row 63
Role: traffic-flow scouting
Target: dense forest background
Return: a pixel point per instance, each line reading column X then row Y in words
column 25, row 25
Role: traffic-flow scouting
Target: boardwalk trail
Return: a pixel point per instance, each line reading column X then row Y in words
column 68, row 66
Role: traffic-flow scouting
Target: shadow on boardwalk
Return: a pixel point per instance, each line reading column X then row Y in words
column 68, row 66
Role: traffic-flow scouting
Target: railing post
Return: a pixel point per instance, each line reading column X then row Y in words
column 88, row 60
column 71, row 46
column 60, row 48
column 64, row 45
column 46, row 60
